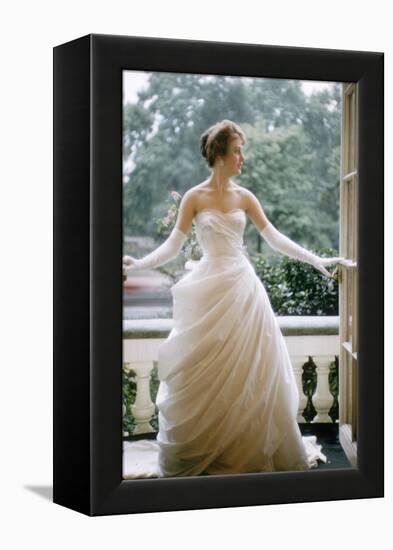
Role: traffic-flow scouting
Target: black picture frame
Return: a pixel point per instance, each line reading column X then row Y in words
column 88, row 276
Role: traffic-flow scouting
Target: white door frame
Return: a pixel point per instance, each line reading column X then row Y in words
column 348, row 273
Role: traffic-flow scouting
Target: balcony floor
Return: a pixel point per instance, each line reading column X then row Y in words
column 327, row 436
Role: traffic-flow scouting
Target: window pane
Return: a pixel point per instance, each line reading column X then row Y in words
column 350, row 224
column 350, row 307
column 352, row 132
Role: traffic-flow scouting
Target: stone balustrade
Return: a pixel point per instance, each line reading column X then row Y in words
column 312, row 342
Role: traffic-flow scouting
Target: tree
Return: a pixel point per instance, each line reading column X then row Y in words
column 276, row 171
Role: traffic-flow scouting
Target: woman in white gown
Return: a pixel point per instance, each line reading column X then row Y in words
column 227, row 398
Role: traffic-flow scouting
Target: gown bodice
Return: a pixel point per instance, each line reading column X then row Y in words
column 220, row 233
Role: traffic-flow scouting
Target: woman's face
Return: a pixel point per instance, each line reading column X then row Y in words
column 234, row 158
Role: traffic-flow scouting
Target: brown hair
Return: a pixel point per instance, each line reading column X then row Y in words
column 215, row 140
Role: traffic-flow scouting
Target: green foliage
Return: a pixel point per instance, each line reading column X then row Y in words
column 154, row 384
column 277, row 172
column 129, row 394
column 139, row 122
column 297, row 288
column 278, row 102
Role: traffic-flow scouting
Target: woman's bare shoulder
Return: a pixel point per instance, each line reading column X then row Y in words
column 246, row 195
column 196, row 191
column 192, row 195
column 243, row 190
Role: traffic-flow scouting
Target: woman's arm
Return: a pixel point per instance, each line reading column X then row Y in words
column 255, row 211
column 186, row 211
column 280, row 242
column 171, row 247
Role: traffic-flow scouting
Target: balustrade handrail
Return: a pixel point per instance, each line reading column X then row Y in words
column 290, row 325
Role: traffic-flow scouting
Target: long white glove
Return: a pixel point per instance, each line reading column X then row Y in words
column 283, row 244
column 168, row 250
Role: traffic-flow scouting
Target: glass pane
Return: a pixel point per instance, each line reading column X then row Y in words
column 352, row 131
column 346, row 136
column 354, row 383
column 354, row 311
column 355, row 218
column 349, row 380
column 349, row 305
column 350, row 225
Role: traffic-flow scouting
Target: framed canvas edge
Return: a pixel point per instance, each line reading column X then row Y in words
column 108, row 493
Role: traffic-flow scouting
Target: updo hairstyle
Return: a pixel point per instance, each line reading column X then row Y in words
column 215, row 140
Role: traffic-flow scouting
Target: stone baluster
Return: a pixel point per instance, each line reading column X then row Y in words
column 125, row 434
column 143, row 408
column 297, row 364
column 322, row 398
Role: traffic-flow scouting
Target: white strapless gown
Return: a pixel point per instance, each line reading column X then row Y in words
column 227, row 398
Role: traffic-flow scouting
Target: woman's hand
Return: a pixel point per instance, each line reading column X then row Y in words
column 129, row 263
column 320, row 263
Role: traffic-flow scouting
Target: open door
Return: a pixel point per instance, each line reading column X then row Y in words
column 348, row 274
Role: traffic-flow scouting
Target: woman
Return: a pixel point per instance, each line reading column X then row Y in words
column 227, row 398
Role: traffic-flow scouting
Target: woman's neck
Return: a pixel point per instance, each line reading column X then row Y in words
column 219, row 181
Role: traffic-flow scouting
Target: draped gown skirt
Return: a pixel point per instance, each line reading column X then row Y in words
column 227, row 400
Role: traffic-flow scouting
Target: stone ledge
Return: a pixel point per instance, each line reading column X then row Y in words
column 291, row 325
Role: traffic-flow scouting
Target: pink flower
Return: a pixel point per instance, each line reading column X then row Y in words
column 175, row 195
